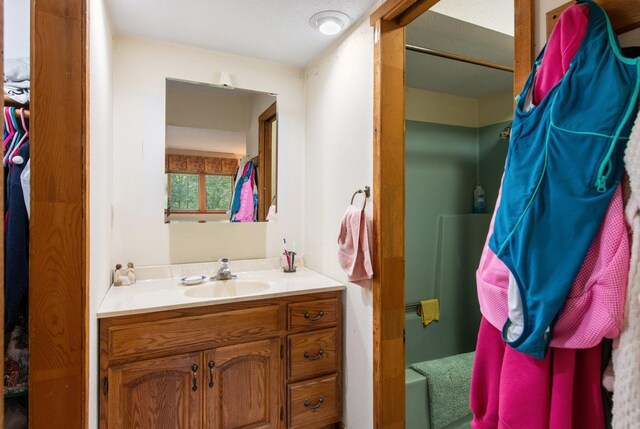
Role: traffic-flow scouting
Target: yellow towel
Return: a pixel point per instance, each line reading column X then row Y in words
column 430, row 310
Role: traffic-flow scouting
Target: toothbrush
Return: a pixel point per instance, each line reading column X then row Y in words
column 286, row 252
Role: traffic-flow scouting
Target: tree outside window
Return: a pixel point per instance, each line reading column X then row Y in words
column 186, row 195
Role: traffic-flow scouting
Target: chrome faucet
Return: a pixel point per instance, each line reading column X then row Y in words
column 224, row 273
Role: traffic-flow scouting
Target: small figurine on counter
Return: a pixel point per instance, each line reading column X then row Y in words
column 131, row 273
column 116, row 275
column 120, row 276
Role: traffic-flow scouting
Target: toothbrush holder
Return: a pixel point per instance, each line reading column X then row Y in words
column 290, row 262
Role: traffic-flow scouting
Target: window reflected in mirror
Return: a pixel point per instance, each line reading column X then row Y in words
column 221, row 147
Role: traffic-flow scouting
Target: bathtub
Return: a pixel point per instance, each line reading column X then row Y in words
column 416, row 406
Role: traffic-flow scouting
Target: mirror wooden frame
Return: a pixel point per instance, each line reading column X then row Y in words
column 265, row 173
column 389, row 22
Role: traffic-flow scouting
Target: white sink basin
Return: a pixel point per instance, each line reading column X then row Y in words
column 227, row 288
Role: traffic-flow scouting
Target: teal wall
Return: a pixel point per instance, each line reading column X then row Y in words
column 441, row 172
column 492, row 156
column 443, row 238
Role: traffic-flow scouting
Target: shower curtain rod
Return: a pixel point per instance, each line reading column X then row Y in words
column 456, row 57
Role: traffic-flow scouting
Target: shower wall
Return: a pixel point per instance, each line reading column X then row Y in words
column 492, row 153
column 444, row 238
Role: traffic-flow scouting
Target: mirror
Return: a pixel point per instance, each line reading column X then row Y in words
column 221, row 146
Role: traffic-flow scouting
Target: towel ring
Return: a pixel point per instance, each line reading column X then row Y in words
column 367, row 194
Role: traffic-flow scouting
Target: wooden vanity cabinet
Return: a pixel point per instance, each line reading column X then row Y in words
column 155, row 393
column 243, row 384
column 273, row 363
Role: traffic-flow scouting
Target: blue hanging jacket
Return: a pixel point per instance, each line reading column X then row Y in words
column 565, row 160
column 16, row 274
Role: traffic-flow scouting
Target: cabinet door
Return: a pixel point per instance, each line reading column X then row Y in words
column 158, row 393
column 243, row 386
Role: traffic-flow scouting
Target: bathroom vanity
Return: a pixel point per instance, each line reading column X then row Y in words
column 260, row 351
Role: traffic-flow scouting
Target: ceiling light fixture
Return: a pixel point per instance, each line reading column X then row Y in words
column 329, row 22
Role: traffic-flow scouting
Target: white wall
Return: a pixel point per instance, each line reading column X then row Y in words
column 259, row 103
column 100, row 181
column 339, row 160
column 495, row 108
column 441, row 108
column 140, row 235
column 17, row 35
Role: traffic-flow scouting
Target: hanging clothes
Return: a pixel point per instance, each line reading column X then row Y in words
column 560, row 175
column 245, row 197
column 16, row 275
column 510, row 390
column 594, row 308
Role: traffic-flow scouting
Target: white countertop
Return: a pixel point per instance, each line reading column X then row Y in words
column 167, row 292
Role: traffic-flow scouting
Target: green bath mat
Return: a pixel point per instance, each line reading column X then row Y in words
column 448, row 387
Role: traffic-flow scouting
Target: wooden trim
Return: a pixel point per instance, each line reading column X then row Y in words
column 265, row 124
column 59, row 227
column 388, row 224
column 198, row 212
column 523, row 47
column 389, row 10
column 417, row 9
column 402, row 12
column 202, row 193
column 624, row 15
column 389, row 187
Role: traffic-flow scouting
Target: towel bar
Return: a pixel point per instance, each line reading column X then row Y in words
column 412, row 306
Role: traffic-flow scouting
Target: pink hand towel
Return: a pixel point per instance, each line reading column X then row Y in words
column 353, row 246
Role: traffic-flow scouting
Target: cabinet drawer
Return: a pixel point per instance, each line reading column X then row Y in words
column 314, row 403
column 192, row 332
column 312, row 353
column 313, row 313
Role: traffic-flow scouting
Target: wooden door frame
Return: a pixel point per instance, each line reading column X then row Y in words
column 389, row 22
column 59, row 224
column 265, row 124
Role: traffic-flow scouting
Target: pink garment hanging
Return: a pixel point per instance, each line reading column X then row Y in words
column 510, row 390
column 246, row 211
column 561, row 48
column 595, row 306
column 354, row 253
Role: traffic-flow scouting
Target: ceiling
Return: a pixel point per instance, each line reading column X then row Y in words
column 495, row 15
column 275, row 30
column 278, row 30
column 209, row 118
column 435, row 31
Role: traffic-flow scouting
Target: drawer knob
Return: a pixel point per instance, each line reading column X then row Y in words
column 313, row 319
column 317, row 405
column 316, row 357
